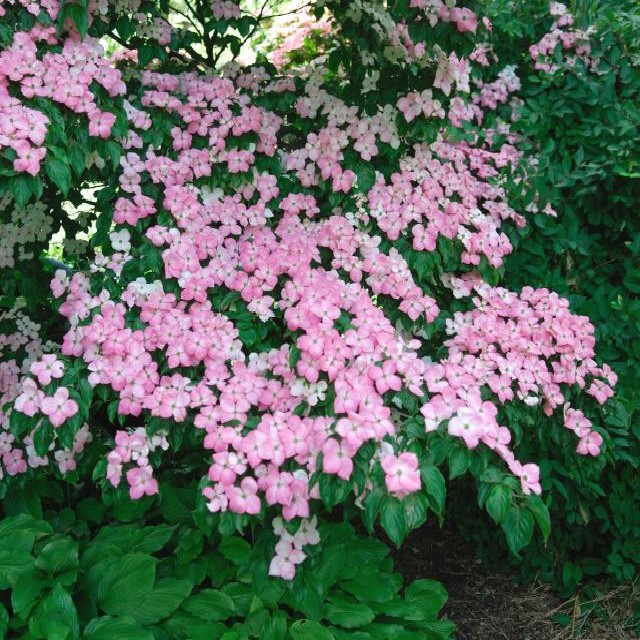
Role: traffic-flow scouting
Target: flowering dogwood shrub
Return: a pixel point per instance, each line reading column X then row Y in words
column 291, row 293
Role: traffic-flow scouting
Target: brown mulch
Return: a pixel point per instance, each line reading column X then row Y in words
column 486, row 604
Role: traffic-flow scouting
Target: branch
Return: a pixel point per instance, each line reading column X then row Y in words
column 197, row 59
column 286, row 13
column 199, row 12
column 187, row 17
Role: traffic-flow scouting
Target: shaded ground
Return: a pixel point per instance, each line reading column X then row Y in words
column 486, row 605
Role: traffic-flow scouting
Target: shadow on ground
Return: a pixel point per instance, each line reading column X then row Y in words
column 485, row 603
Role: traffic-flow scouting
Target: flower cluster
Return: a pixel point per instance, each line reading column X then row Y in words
column 64, row 78
column 290, row 32
column 289, row 551
column 133, row 449
column 225, row 9
column 24, row 227
column 442, row 190
column 18, row 389
column 256, row 290
column 574, row 43
column 523, row 346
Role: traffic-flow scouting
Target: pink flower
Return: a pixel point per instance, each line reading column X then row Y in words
column 590, row 444
column 101, row 123
column 244, row 499
column 529, row 477
column 141, row 482
column 384, row 377
column 401, row 473
column 46, row 368
column 29, row 401
column 283, row 565
column 59, row 407
column 337, row 458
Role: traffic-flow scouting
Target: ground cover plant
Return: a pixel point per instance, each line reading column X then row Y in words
column 278, row 310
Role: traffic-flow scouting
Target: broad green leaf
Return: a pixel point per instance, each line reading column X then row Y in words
column 348, row 615
column 26, row 591
column 429, row 596
column 56, row 617
column 434, row 486
column 166, row 597
column 136, row 539
column 415, row 510
column 21, row 189
column 498, row 502
column 310, row 630
column 329, row 566
column 541, row 514
column 380, row 587
column 20, row 541
column 121, row 628
column 372, row 508
column 125, row 583
column 59, row 173
column 392, row 520
column 211, row 605
column 58, row 556
column 12, row 566
column 459, row 461
column 275, row 628
column 235, row 549
column 518, row 527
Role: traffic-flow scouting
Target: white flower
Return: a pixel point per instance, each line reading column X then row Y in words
column 120, row 240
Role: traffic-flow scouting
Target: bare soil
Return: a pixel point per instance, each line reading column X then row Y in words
column 486, row 604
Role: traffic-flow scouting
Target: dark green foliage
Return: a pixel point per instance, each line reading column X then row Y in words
column 62, row 579
column 584, row 127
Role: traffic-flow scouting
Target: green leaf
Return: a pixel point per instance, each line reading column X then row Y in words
column 20, row 541
column 348, row 615
column 366, row 176
column 429, row 596
column 518, row 528
column 415, row 510
column 77, row 159
column 235, row 549
column 210, row 604
column 165, row 598
column 379, row 587
column 310, row 630
column 125, row 582
column 56, row 617
column 59, row 173
column 438, row 629
column 190, row 546
column 434, row 487
column 58, row 556
column 498, row 502
column 122, row 628
column 21, row 189
column 330, row 564
column 12, row 566
column 136, row 539
column 541, row 514
column 333, row 490
column 26, row 591
column 392, row 520
column 275, row 627
column 21, row 522
column 372, row 508
column 459, row 461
